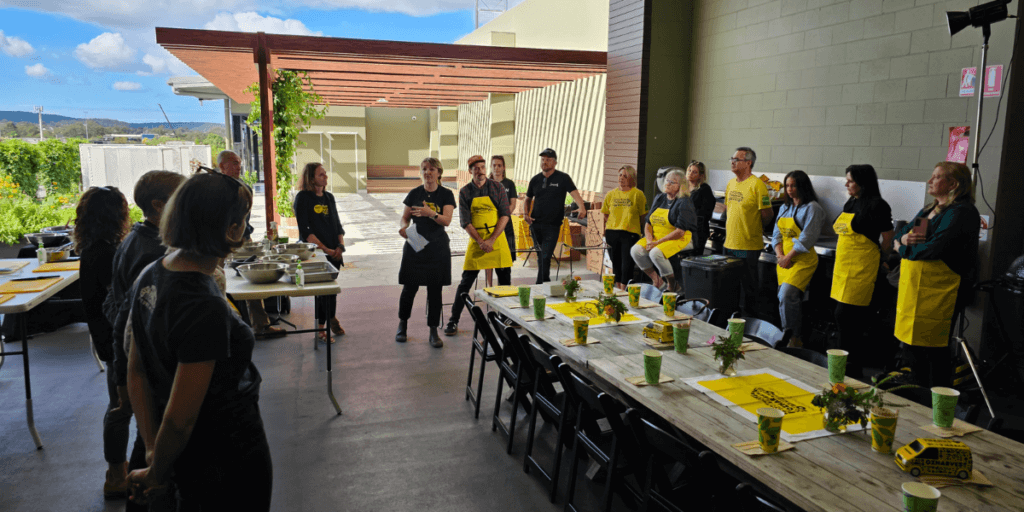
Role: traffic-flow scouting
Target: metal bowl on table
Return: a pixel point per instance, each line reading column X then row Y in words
column 236, row 262
column 58, row 229
column 47, row 239
column 249, row 249
column 262, row 273
column 281, row 258
column 303, row 250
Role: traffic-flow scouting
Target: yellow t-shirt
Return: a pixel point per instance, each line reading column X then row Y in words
column 624, row 209
column 744, row 202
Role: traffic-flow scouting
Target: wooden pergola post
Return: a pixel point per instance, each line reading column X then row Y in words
column 262, row 54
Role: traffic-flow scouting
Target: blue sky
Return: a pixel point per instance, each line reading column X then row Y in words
column 98, row 58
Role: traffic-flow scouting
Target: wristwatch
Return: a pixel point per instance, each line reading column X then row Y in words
column 434, row 217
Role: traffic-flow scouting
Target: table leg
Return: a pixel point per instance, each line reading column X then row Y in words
column 330, row 386
column 29, row 416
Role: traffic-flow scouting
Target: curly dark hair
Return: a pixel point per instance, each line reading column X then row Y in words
column 101, row 216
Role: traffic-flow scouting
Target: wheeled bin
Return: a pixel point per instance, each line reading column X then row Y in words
column 713, row 277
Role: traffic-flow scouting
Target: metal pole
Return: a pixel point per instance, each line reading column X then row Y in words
column 979, row 90
column 39, row 110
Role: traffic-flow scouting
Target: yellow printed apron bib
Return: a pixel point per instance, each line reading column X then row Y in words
column 924, row 307
column 661, row 227
column 857, row 258
column 485, row 219
column 804, row 263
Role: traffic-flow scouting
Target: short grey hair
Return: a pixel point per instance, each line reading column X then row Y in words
column 751, row 155
column 223, row 154
column 684, row 185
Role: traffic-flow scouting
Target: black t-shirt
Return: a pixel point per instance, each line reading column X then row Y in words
column 510, row 189
column 872, row 217
column 94, row 279
column 183, row 317
column 318, row 215
column 436, row 200
column 704, row 202
column 548, row 196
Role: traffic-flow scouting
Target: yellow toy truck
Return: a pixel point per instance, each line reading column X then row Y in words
column 944, row 457
column 658, row 330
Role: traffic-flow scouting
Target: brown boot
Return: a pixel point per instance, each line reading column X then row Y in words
column 116, row 486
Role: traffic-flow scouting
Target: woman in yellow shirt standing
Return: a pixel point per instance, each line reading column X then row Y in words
column 623, row 209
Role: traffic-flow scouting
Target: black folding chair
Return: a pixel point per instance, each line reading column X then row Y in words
column 650, row 292
column 697, row 308
column 483, row 340
column 517, row 370
column 806, row 354
column 765, row 333
column 554, row 408
column 662, row 450
column 753, row 501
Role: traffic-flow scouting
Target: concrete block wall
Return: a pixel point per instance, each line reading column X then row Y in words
column 821, row 84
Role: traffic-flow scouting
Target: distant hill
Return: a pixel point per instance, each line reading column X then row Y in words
column 32, row 117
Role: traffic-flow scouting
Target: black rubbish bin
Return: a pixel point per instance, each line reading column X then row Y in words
column 715, row 278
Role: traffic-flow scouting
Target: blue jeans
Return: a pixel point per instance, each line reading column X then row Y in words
column 545, row 236
column 790, row 298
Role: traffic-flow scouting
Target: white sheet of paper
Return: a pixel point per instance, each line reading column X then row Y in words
column 415, row 239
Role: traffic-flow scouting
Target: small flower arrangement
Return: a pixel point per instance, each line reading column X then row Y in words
column 610, row 307
column 725, row 351
column 572, row 285
column 844, row 405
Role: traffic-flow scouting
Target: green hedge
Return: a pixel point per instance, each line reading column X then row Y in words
column 61, row 166
column 22, row 162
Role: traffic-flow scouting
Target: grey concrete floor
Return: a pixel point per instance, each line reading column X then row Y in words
column 407, row 439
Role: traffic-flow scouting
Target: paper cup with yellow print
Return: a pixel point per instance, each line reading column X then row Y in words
column 634, row 295
column 668, row 301
column 580, row 327
column 539, row 302
column 608, row 280
column 769, row 427
column 652, row 367
column 883, row 428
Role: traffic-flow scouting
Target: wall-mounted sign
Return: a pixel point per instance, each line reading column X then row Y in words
column 959, row 140
column 993, row 81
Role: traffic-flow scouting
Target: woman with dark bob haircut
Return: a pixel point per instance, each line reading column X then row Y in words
column 192, row 383
column 100, row 225
column 796, row 231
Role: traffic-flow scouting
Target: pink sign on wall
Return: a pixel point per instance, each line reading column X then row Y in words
column 993, row 81
column 959, row 140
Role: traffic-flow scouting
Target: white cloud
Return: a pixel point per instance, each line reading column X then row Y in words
column 127, row 86
column 107, row 50
column 156, row 65
column 253, row 22
column 15, row 46
column 37, row 71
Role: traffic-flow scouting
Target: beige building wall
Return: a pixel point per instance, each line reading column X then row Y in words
column 551, row 24
column 448, row 138
column 339, row 142
column 397, row 136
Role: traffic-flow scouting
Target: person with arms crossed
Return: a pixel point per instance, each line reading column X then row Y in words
column 748, row 212
column 483, row 211
column 545, row 209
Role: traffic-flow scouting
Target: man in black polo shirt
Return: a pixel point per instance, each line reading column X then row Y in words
column 545, row 209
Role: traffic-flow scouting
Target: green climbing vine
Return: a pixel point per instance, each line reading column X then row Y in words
column 295, row 106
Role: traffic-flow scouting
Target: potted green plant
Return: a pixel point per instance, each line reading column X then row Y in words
column 572, row 287
column 610, row 307
column 726, row 353
column 844, row 405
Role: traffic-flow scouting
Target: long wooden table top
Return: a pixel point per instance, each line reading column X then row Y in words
column 833, row 473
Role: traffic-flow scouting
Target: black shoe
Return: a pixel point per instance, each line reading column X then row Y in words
column 449, row 330
column 435, row 340
column 401, row 335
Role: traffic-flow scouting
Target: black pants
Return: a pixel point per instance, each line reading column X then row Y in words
column 326, row 308
column 433, row 303
column 504, row 275
column 748, row 281
column 932, row 366
column 620, row 242
column 115, row 424
column 545, row 236
column 851, row 322
column 167, row 502
column 468, row 277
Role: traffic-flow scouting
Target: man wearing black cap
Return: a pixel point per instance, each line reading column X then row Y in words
column 545, row 209
column 483, row 212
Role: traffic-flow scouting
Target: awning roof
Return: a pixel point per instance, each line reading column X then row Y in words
column 361, row 72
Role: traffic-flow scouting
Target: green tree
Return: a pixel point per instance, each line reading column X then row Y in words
column 21, row 161
column 61, row 165
column 295, row 106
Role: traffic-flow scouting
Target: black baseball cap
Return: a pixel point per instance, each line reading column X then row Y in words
column 549, row 152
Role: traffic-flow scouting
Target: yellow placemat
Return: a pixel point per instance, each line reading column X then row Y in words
column 12, row 265
column 751, row 392
column 753, row 448
column 6, row 297
column 35, row 285
column 976, row 478
column 531, row 318
column 588, row 308
column 959, row 429
column 570, row 342
column 59, row 266
column 502, row 291
column 641, row 381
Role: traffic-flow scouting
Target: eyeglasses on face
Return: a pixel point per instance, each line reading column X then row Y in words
column 734, row 160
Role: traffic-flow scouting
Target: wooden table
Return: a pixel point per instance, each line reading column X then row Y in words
column 23, row 303
column 834, row 473
column 240, row 289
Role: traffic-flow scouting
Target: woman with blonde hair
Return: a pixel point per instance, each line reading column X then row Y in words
column 428, row 208
column 703, row 202
column 624, row 209
column 668, row 230
column 317, row 216
column 940, row 255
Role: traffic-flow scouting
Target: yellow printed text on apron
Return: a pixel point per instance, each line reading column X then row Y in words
column 857, row 257
column 660, row 226
column 924, row 307
column 485, row 219
column 804, row 263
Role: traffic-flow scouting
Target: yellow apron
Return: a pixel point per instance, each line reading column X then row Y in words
column 924, row 307
column 485, row 218
column 857, row 258
column 661, row 227
column 804, row 263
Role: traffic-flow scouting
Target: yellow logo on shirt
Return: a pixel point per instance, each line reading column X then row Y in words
column 735, row 196
column 434, row 207
column 322, row 209
column 621, row 202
